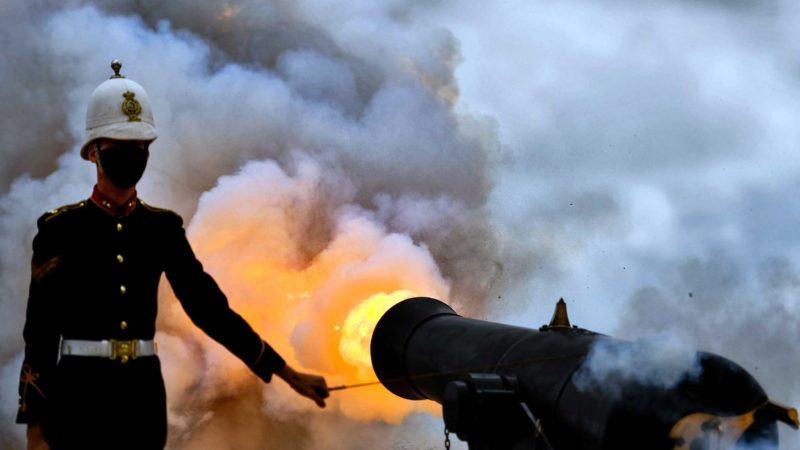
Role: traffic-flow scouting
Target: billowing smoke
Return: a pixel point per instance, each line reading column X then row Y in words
column 709, row 303
column 659, row 362
column 634, row 157
column 323, row 174
column 652, row 167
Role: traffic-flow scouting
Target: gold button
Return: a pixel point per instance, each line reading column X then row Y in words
column 119, row 227
column 120, row 259
column 122, row 289
column 123, row 325
column 123, row 359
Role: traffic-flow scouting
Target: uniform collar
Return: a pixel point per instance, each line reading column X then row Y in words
column 107, row 204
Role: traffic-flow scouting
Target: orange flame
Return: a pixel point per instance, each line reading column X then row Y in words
column 359, row 326
column 319, row 313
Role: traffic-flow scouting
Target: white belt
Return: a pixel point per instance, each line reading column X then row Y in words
column 111, row 349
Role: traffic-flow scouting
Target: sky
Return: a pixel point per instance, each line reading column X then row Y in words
column 633, row 157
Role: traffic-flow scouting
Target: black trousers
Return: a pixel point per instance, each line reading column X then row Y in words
column 98, row 403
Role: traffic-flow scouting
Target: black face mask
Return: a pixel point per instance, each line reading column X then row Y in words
column 124, row 164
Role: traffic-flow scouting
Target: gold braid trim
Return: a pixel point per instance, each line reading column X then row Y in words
column 56, row 212
column 29, row 379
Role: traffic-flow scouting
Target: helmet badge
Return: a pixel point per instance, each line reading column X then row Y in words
column 131, row 107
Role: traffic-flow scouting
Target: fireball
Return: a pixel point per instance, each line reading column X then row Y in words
column 359, row 325
column 313, row 282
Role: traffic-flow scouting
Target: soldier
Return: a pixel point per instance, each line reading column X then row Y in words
column 95, row 272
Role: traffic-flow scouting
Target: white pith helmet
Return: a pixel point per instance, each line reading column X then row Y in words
column 118, row 109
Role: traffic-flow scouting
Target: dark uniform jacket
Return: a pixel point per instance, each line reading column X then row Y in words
column 95, row 275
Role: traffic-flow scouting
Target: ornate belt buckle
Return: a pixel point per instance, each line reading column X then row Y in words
column 125, row 350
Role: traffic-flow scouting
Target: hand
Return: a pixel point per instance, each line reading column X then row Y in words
column 307, row 385
column 36, row 437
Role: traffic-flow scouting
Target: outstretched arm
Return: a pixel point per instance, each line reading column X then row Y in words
column 208, row 308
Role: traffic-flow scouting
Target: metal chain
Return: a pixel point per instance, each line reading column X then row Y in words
column 446, row 438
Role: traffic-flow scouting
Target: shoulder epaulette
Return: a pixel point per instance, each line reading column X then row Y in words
column 60, row 210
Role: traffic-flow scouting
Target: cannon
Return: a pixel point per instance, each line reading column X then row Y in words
column 503, row 387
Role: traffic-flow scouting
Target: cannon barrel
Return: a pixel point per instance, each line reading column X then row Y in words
column 506, row 387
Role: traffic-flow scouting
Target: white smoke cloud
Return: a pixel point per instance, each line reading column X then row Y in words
column 710, row 303
column 659, row 362
column 9, row 376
